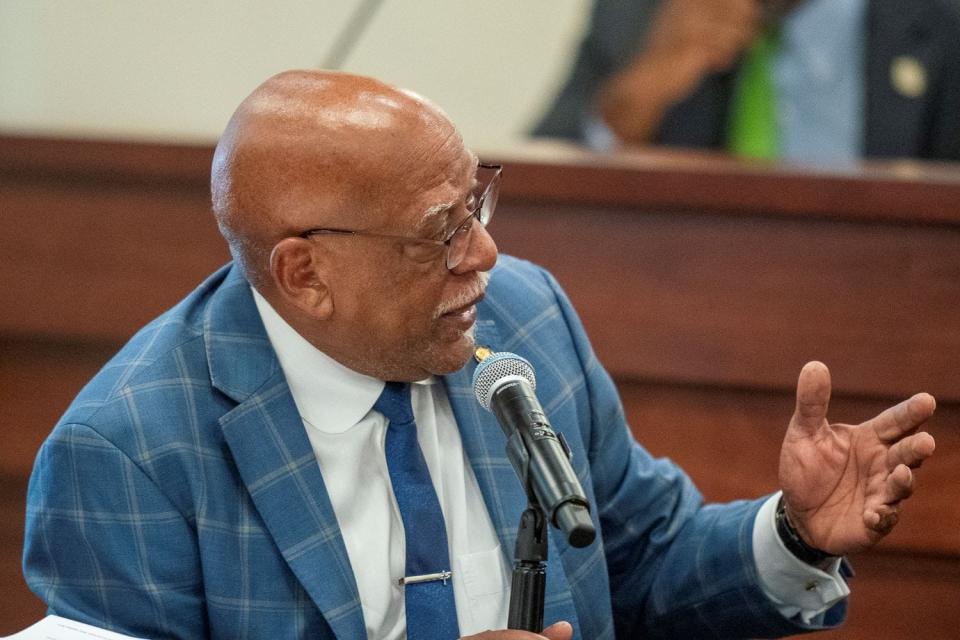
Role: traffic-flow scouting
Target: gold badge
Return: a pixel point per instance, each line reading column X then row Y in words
column 482, row 353
column 908, row 76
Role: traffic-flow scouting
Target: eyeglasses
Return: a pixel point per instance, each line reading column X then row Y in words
column 457, row 241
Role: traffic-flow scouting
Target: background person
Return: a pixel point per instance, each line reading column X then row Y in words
column 808, row 80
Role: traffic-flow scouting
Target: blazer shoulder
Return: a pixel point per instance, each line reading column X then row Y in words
column 169, row 348
column 529, row 306
column 519, row 283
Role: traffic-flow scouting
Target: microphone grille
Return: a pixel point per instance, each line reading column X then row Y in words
column 498, row 367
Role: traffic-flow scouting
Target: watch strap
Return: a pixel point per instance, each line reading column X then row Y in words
column 792, row 540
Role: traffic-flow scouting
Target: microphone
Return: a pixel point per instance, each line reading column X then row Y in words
column 504, row 384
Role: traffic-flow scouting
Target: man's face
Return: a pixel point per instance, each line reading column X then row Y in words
column 401, row 314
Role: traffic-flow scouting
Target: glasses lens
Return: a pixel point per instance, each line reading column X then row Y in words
column 490, row 200
column 459, row 243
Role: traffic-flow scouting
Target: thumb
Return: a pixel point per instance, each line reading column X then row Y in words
column 558, row 631
column 813, row 397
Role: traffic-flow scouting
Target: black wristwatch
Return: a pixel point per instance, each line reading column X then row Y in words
column 794, row 543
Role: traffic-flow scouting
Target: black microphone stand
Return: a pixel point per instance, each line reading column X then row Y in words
column 528, row 587
column 530, row 435
column 529, row 584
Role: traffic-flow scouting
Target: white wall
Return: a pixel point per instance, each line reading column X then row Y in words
column 176, row 69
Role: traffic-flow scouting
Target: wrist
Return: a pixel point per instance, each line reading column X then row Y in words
column 794, row 542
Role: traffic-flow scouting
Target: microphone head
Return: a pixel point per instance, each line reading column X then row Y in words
column 497, row 369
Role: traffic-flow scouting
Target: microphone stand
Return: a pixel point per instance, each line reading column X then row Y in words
column 528, row 587
column 523, row 423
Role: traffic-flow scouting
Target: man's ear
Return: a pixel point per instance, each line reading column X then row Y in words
column 300, row 277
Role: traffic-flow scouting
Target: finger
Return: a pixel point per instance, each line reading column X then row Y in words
column 899, row 486
column 813, row 397
column 911, row 451
column 883, row 519
column 899, row 420
column 559, row 631
column 510, row 634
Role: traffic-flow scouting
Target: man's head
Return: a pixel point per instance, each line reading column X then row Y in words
column 320, row 150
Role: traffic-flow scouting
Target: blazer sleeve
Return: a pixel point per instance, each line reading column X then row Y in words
column 678, row 568
column 133, row 565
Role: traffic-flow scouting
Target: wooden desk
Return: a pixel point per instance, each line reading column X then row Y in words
column 705, row 285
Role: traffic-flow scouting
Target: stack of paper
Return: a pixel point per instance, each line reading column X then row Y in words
column 57, row 628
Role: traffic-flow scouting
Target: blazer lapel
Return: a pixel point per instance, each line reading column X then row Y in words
column 274, row 457
column 485, row 446
column 896, row 50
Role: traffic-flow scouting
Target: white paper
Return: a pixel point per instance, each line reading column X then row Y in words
column 57, row 628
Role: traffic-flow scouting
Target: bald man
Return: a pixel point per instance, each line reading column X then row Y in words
column 233, row 471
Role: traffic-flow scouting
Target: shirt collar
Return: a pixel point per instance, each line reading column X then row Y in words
column 329, row 396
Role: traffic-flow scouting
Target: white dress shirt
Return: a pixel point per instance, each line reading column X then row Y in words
column 348, row 438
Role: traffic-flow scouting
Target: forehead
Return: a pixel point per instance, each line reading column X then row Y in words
column 440, row 187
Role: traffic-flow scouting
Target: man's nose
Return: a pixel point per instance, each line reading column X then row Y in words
column 481, row 254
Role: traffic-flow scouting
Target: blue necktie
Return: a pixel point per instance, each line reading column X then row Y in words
column 430, row 608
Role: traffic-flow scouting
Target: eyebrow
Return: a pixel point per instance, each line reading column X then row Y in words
column 440, row 209
column 434, row 212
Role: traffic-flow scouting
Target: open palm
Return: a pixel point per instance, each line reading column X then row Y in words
column 843, row 484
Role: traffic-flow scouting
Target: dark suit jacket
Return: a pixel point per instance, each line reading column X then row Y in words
column 927, row 126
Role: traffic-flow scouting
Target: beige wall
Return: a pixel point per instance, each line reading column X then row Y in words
column 175, row 69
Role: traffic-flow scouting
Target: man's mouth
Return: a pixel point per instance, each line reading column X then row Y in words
column 461, row 311
column 464, row 315
column 470, row 304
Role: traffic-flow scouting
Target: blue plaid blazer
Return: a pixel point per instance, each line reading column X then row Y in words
column 178, row 497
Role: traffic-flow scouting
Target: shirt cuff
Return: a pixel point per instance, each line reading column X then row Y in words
column 795, row 587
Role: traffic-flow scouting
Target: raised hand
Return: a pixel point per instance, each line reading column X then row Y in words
column 843, row 484
column 688, row 40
